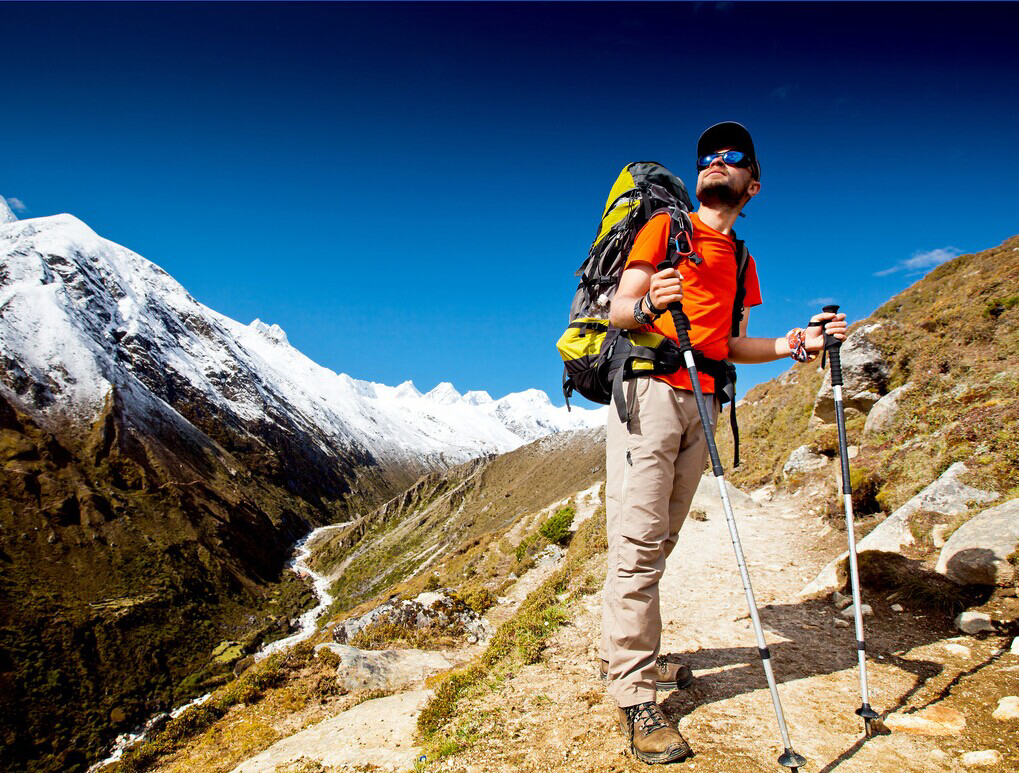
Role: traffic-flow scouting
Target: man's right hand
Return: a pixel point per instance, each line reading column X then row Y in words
column 666, row 288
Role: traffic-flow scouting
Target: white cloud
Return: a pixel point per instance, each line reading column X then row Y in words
column 819, row 302
column 922, row 260
column 16, row 204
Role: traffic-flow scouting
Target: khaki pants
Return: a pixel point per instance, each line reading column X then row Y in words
column 653, row 466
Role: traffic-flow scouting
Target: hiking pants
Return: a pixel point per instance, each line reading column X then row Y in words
column 653, row 466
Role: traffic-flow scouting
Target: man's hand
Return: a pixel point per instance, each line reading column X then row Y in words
column 666, row 288
column 834, row 324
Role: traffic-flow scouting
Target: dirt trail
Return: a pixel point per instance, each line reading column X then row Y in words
column 555, row 715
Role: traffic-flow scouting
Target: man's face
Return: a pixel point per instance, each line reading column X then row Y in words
column 719, row 183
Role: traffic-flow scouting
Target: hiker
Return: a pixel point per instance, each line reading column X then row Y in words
column 656, row 449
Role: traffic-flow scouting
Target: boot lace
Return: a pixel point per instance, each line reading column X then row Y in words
column 650, row 717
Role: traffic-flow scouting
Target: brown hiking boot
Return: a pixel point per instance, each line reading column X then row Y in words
column 670, row 676
column 653, row 738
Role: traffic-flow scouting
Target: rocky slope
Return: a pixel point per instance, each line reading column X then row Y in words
column 932, row 388
column 157, row 461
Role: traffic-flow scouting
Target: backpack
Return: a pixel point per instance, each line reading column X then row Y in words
column 598, row 357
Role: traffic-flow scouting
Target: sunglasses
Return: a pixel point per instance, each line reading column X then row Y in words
column 729, row 157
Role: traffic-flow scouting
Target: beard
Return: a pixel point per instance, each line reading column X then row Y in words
column 721, row 192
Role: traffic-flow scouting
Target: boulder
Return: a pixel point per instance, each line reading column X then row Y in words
column 803, row 459
column 988, row 758
column 933, row 721
column 383, row 669
column 974, row 622
column 884, row 410
column 708, row 500
column 378, row 734
column 977, row 553
column 947, row 495
column 864, row 377
column 849, row 613
column 1008, row 708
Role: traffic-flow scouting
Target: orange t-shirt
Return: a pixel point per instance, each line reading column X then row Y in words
column 709, row 290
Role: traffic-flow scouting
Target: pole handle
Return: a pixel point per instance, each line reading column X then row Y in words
column 679, row 318
column 831, row 347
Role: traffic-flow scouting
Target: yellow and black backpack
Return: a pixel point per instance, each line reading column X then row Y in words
column 597, row 357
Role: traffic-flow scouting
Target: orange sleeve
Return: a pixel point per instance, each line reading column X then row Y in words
column 752, row 285
column 651, row 242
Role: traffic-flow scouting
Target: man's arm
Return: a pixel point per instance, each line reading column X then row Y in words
column 750, row 351
column 666, row 287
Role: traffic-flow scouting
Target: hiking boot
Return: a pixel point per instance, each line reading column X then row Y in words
column 653, row 738
column 670, row 675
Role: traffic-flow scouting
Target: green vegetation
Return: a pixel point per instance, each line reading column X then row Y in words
column 557, row 528
column 520, row 639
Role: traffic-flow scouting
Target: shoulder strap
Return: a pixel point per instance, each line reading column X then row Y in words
column 742, row 261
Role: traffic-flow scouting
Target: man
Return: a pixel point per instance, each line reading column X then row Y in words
column 656, row 458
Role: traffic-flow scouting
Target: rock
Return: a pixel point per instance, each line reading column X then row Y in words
column 849, row 613
column 384, row 669
column 974, row 622
column 958, row 649
column 1015, row 646
column 243, row 665
column 977, row 553
column 897, row 608
column 442, row 612
column 988, row 758
column 1008, row 708
column 932, row 721
column 864, row 376
column 947, row 495
column 803, row 459
column 841, row 600
column 707, row 498
column 379, row 733
column 938, row 534
column 840, row 623
column 884, row 410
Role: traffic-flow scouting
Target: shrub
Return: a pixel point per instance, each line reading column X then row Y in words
column 557, row 528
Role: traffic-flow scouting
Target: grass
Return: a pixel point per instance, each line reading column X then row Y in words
column 520, row 640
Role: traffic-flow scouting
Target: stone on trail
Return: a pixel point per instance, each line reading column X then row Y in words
column 707, row 498
column 377, row 733
column 1015, row 646
column 958, row 649
column 1008, row 708
column 850, row 612
column 947, row 495
column 974, row 622
column 977, row 553
column 384, row 669
column 841, row 600
column 898, row 608
column 933, row 721
column 983, row 759
column 840, row 623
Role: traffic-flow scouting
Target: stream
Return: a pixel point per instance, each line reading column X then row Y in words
column 305, row 629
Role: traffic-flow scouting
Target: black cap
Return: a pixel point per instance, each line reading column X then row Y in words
column 729, row 134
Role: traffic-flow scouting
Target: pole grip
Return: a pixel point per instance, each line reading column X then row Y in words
column 832, row 346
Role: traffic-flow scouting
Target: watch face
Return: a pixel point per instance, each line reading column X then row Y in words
column 639, row 315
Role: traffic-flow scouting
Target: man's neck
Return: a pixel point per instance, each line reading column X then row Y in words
column 719, row 218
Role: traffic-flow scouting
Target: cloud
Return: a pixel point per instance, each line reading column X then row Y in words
column 16, row 204
column 921, row 260
column 819, row 302
column 784, row 91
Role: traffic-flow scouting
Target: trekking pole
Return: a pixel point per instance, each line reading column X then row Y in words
column 831, row 348
column 789, row 758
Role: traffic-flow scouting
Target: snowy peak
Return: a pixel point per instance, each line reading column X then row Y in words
column 83, row 316
column 444, row 394
column 6, row 214
column 272, row 332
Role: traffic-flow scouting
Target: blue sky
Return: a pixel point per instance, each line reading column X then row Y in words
column 408, row 189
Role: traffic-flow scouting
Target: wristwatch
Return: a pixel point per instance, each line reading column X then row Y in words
column 640, row 316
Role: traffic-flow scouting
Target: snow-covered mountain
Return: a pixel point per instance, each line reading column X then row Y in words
column 81, row 315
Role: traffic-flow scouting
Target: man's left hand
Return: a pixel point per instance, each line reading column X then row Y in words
column 834, row 324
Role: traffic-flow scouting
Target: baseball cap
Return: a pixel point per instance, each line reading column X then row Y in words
column 729, row 134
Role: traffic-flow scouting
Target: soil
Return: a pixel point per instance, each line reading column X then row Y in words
column 555, row 715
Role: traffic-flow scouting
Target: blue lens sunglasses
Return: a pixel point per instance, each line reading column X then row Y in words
column 729, row 157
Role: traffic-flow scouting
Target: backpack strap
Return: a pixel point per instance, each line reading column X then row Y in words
column 742, row 261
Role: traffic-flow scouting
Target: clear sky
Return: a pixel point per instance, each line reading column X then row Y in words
column 408, row 189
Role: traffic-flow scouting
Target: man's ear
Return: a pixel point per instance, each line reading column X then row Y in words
column 754, row 188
